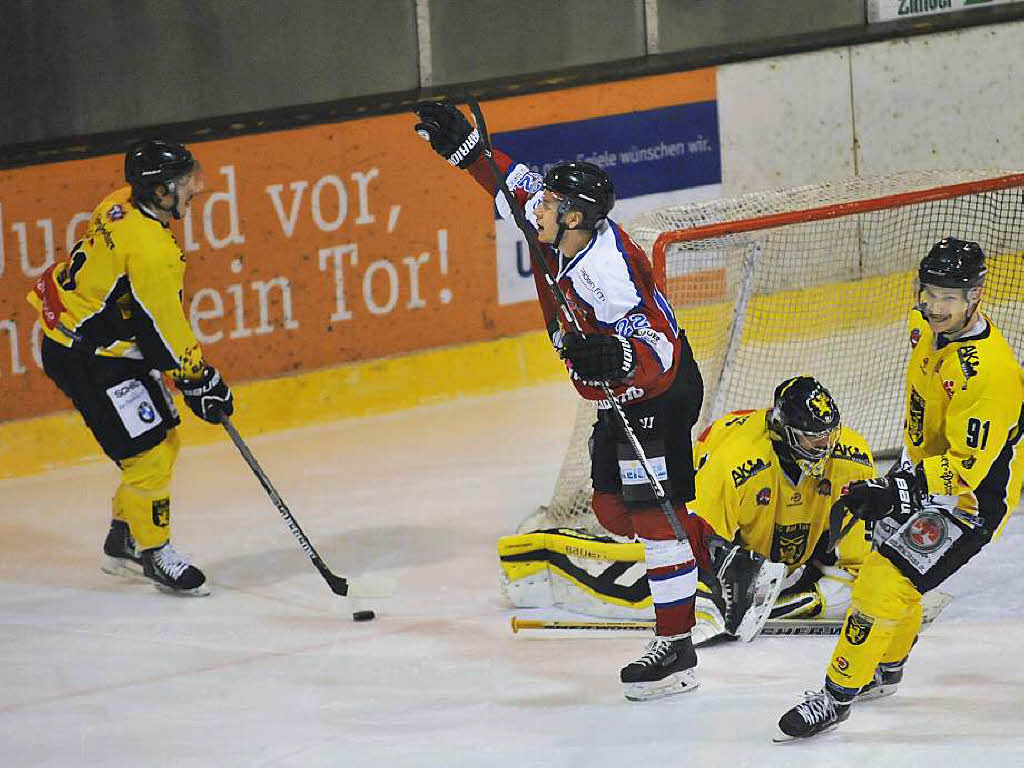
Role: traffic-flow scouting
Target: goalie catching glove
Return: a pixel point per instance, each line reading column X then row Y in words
column 599, row 357
column 207, row 396
column 449, row 133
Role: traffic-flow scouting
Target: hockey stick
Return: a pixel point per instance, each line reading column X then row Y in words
column 537, row 257
column 932, row 604
column 771, row 627
column 338, row 584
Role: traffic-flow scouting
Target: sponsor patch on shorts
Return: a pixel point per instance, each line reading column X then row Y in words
column 134, row 407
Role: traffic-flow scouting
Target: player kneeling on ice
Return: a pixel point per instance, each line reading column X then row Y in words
column 950, row 494
column 113, row 324
column 630, row 343
column 766, row 480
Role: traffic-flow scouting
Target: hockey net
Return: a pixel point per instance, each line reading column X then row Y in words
column 812, row 280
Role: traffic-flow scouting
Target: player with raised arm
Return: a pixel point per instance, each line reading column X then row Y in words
column 113, row 322
column 630, row 341
column 957, row 482
column 766, row 480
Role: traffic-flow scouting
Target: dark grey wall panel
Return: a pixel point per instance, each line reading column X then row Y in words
column 686, row 24
column 73, row 67
column 483, row 39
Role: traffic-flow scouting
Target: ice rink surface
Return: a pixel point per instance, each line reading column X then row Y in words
column 270, row 670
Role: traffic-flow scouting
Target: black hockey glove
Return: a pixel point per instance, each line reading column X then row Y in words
column 599, row 357
column 899, row 494
column 208, row 396
column 449, row 133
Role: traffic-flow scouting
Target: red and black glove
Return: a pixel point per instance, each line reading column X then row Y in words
column 208, row 396
column 448, row 132
column 599, row 357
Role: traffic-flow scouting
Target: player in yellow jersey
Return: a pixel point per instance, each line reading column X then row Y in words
column 766, row 481
column 113, row 323
column 958, row 480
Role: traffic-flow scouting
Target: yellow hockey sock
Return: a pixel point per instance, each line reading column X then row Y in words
column 886, row 610
column 143, row 498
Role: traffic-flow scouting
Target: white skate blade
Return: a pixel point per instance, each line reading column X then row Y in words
column 117, row 566
column 201, row 591
column 766, row 591
column 785, row 738
column 680, row 682
column 371, row 586
column 878, row 692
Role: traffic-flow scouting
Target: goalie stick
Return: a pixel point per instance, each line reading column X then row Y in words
column 537, row 257
column 338, row 584
column 932, row 605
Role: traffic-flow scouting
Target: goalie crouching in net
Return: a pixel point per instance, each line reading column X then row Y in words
column 766, row 480
column 765, row 483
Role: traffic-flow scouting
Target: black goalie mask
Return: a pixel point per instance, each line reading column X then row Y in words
column 804, row 422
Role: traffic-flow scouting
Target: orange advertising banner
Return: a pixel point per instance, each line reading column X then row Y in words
column 311, row 247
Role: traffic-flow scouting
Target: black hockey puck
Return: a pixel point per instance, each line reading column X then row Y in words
column 363, row 616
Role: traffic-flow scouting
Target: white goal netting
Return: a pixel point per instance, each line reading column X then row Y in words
column 812, row 280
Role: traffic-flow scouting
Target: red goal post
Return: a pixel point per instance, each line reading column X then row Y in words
column 813, row 280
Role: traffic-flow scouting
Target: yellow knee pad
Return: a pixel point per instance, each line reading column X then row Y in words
column 143, row 498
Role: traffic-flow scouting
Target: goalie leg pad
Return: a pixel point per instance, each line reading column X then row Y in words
column 576, row 571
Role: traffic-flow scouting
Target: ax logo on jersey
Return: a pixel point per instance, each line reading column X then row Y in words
column 969, row 361
column 116, row 212
column 764, row 497
column 825, row 487
column 748, row 469
column 968, row 462
column 949, row 385
column 858, row 627
column 789, row 543
column 926, row 533
column 915, row 336
column 851, row 453
column 915, row 418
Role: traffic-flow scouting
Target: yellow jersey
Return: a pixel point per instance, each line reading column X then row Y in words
column 964, row 418
column 120, row 291
column 744, row 493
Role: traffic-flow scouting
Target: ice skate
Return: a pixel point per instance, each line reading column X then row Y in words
column 818, row 713
column 665, row 669
column 121, row 556
column 172, row 572
column 885, row 682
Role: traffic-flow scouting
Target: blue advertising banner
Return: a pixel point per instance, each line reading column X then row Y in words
column 656, row 157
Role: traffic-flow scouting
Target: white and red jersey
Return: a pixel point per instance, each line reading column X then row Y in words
column 609, row 285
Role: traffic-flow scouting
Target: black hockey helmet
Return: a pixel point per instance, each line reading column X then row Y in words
column 155, row 162
column 804, row 422
column 953, row 263
column 583, row 187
